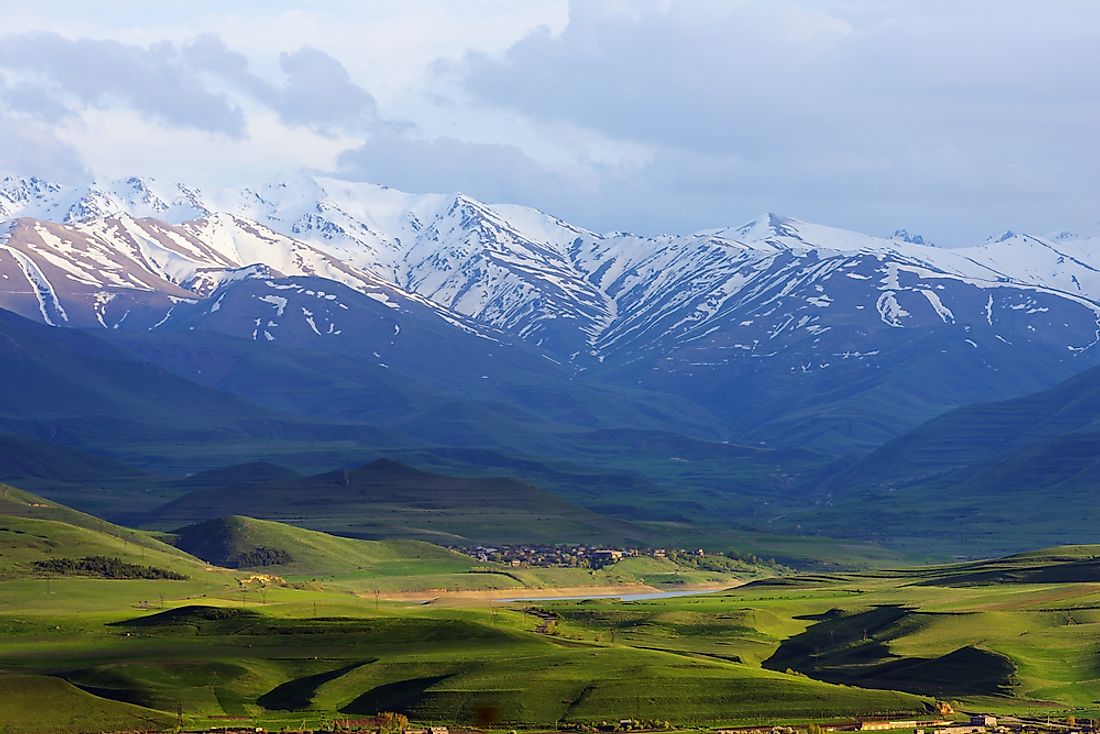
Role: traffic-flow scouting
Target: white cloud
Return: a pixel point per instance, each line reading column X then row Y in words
column 488, row 171
column 867, row 111
column 954, row 118
column 30, row 146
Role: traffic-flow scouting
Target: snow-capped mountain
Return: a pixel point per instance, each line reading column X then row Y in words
column 773, row 296
column 119, row 272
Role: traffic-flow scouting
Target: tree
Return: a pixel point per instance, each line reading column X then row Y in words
column 391, row 722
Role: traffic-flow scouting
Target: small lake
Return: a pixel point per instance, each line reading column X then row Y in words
column 624, row 597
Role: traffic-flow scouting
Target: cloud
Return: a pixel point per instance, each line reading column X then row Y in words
column 650, row 115
column 488, row 171
column 33, row 100
column 725, row 76
column 105, row 73
column 317, row 93
column 182, row 86
column 30, row 147
column 862, row 110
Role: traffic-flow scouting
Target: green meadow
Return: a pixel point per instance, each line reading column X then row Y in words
column 321, row 633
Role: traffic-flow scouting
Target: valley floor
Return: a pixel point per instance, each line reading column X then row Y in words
column 107, row 628
column 124, row 654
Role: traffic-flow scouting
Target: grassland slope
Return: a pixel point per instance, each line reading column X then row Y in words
column 386, row 499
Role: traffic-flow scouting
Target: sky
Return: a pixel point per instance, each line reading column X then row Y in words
column 956, row 120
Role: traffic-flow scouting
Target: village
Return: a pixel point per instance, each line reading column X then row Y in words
column 568, row 556
column 977, row 724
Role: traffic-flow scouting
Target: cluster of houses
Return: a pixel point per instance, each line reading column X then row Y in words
column 983, row 724
column 569, row 556
column 979, row 724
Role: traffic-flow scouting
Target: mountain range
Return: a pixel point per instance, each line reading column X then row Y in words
column 785, row 332
column 767, row 375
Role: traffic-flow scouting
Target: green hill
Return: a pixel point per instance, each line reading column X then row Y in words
column 385, row 499
column 36, row 535
column 981, row 480
column 233, row 475
column 92, row 482
column 22, row 458
column 1059, row 565
column 15, row 502
column 243, row 542
column 47, row 705
column 984, row 432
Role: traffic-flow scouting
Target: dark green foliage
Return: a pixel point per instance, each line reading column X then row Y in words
column 104, row 567
column 261, row 556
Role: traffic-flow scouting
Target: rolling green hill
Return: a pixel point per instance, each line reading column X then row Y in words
column 385, row 499
column 48, row 705
column 38, row 535
column 78, row 478
column 234, row 475
column 274, row 547
column 980, row 480
column 1013, row 634
column 981, row 433
column 19, row 503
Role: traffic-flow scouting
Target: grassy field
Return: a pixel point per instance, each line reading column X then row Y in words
column 308, row 641
column 283, row 662
column 787, row 649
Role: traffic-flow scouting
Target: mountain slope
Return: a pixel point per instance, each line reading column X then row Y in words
column 965, row 478
column 35, row 529
column 385, row 499
column 982, row 432
column 776, row 311
column 244, row 542
column 69, row 387
column 73, row 387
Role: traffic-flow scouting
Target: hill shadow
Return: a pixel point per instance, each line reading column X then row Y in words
column 299, row 693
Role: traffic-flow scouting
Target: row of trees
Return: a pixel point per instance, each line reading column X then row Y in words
column 104, row 567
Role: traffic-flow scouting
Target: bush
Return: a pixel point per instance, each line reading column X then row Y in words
column 261, row 556
column 104, row 567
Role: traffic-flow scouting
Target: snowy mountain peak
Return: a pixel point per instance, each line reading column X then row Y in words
column 768, row 224
column 1087, row 233
column 577, row 295
column 1008, row 234
column 904, row 235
